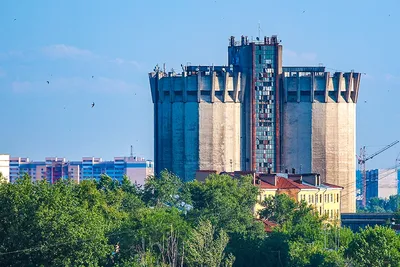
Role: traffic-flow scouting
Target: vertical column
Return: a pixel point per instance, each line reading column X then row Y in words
column 225, row 97
column 171, row 90
column 298, row 87
column 356, row 85
column 161, row 90
column 212, row 92
column 185, row 83
column 278, row 101
column 312, row 87
column 349, row 86
column 236, row 86
column 285, row 89
column 199, row 86
column 339, row 87
column 242, row 87
column 327, row 80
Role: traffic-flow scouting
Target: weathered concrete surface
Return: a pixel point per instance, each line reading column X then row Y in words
column 198, row 122
column 219, row 136
column 319, row 120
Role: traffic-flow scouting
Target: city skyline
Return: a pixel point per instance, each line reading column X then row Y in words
column 42, row 43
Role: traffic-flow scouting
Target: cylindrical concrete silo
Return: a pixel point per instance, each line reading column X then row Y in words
column 319, row 126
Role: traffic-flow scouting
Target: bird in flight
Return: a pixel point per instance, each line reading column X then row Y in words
column 47, row 82
column 92, row 76
column 15, row 19
column 92, row 104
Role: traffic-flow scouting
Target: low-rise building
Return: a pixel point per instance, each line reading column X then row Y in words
column 324, row 197
column 53, row 169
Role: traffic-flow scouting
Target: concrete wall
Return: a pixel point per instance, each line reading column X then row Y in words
column 198, row 121
column 219, row 139
column 296, row 141
column 387, row 183
column 319, row 120
column 5, row 166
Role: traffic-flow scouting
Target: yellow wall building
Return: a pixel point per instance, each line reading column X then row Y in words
column 324, row 197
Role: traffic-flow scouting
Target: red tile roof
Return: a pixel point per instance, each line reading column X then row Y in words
column 284, row 183
column 265, row 185
column 268, row 225
column 333, row 186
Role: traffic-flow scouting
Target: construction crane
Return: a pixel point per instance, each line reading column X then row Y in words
column 362, row 158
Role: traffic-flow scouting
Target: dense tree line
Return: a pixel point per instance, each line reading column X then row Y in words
column 170, row 223
column 381, row 205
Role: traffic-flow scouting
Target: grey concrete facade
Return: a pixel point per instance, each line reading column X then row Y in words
column 197, row 120
column 254, row 115
column 319, row 119
column 382, row 183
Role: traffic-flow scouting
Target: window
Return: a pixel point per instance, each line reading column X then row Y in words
column 309, row 198
column 316, row 199
column 331, row 197
column 320, row 210
column 331, row 213
column 337, row 197
column 320, row 198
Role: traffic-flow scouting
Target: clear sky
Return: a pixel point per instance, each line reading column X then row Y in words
column 119, row 42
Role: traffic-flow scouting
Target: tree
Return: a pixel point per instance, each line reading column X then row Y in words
column 279, row 209
column 2, row 178
column 44, row 224
column 378, row 246
column 159, row 232
column 228, row 204
column 205, row 247
column 164, row 190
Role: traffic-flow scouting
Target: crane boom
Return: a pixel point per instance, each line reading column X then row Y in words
column 382, row 150
column 362, row 158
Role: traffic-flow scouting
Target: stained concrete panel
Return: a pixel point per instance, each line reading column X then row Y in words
column 296, row 138
column 178, row 137
column 191, row 140
column 337, row 163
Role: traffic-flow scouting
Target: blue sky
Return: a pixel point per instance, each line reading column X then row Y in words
column 119, row 42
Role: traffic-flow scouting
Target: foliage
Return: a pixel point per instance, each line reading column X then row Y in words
column 170, row 223
column 163, row 190
column 381, row 205
column 227, row 203
column 43, row 224
column 206, row 248
column 378, row 246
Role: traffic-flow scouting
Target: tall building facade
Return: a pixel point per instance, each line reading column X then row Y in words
column 5, row 166
column 266, row 117
column 197, row 121
column 382, row 183
column 318, row 125
column 262, row 62
column 54, row 169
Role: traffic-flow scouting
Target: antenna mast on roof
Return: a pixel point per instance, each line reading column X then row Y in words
column 131, row 151
column 259, row 29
